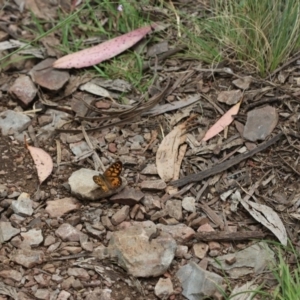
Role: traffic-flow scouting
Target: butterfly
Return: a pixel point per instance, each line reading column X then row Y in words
column 110, row 180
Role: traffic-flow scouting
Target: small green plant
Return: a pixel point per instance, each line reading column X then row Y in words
column 288, row 278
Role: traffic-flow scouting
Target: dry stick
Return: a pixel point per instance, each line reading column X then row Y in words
column 129, row 117
column 229, row 236
column 225, row 165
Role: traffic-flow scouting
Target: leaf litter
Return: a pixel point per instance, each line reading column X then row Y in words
column 140, row 132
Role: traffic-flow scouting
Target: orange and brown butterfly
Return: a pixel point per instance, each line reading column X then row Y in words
column 110, row 180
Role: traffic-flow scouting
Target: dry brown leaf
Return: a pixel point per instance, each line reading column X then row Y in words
column 268, row 217
column 42, row 160
column 168, row 159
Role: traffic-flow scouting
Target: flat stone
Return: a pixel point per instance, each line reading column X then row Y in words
column 95, row 232
column 139, row 256
column 200, row 250
column 68, row 233
column 28, row 258
column 59, row 207
column 11, row 274
column 181, row 251
column 110, row 137
column 42, row 294
column 230, row 97
column 153, row 185
column 7, row 231
column 128, row 196
column 198, row 283
column 49, row 240
column 252, row 260
column 188, row 204
column 164, row 288
column 24, row 90
column 79, row 273
column 13, row 123
column 63, row 295
column 150, row 169
column 260, row 123
column 205, row 228
column 174, row 209
column 243, row 83
column 112, row 147
column 45, row 119
column 44, row 75
column 151, row 202
column 33, row 237
column 23, row 206
column 3, row 190
column 120, row 215
column 180, row 232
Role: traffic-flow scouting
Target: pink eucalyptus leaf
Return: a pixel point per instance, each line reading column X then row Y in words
column 42, row 160
column 223, row 122
column 92, row 56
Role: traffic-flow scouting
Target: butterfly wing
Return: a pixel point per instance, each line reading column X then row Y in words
column 112, row 175
column 99, row 180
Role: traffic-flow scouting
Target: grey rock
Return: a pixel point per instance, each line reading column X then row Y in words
column 128, row 196
column 230, row 97
column 93, row 231
column 120, row 215
column 42, row 294
column 164, row 288
column 68, row 233
column 13, row 123
column 188, row 204
column 79, row 273
column 23, row 206
column 151, row 202
column 140, row 257
column 153, row 185
column 180, row 232
column 174, row 209
column 24, row 90
column 44, row 75
column 260, row 123
column 252, row 260
column 197, row 283
column 3, row 190
column 7, row 231
column 32, row 237
column 150, row 169
column 11, row 274
column 58, row 119
column 59, row 207
column 28, row 258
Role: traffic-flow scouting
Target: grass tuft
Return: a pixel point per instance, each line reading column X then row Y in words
column 256, row 34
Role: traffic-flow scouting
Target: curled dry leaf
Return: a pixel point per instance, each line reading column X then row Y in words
column 268, row 217
column 222, row 123
column 42, row 160
column 170, row 153
column 92, row 56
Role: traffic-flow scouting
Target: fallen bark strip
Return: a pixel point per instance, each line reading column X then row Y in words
column 225, row 236
column 225, row 165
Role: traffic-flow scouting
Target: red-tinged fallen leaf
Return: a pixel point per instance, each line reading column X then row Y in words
column 223, row 122
column 42, row 160
column 92, row 56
